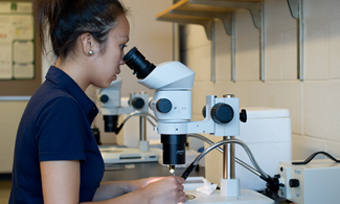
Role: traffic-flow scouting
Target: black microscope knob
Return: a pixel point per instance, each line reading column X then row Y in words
column 222, row 113
column 104, row 98
column 203, row 111
column 243, row 116
column 138, row 103
column 294, row 183
column 164, row 105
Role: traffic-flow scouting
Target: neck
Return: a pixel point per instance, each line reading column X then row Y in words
column 74, row 70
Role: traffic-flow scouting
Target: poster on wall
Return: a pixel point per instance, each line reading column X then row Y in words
column 17, row 59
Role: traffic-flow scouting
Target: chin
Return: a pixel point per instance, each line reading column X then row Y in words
column 102, row 85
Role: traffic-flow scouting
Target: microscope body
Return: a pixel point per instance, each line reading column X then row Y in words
column 172, row 106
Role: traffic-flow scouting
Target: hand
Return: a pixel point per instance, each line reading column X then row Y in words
column 167, row 190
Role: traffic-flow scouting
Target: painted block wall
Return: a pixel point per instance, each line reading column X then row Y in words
column 313, row 103
column 10, row 116
column 153, row 38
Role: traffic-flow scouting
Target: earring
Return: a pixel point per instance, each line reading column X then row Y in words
column 91, row 52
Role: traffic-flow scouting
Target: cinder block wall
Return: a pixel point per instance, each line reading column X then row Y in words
column 313, row 104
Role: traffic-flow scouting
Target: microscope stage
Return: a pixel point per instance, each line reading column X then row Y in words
column 247, row 197
column 129, row 155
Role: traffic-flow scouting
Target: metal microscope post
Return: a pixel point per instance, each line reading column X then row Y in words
column 229, row 159
column 142, row 128
column 229, row 153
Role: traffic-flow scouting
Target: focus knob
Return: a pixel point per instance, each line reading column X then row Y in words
column 138, row 103
column 222, row 113
column 203, row 111
column 293, row 183
column 243, row 116
column 104, row 98
column 164, row 105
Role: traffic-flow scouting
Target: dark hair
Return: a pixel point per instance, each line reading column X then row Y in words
column 66, row 20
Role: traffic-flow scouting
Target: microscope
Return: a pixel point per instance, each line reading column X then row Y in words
column 172, row 106
column 110, row 106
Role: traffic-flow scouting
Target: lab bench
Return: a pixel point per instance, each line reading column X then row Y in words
column 133, row 171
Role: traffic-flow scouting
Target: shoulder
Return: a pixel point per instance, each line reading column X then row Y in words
column 50, row 94
column 57, row 108
column 64, row 104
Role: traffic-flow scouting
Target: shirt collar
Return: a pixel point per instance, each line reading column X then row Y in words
column 66, row 83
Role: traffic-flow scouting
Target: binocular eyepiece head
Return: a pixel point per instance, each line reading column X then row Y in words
column 137, row 62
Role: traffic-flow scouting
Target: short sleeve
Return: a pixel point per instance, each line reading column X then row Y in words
column 61, row 130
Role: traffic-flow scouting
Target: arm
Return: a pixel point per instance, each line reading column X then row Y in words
column 112, row 189
column 61, row 181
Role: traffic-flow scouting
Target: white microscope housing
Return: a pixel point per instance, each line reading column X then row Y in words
column 172, row 105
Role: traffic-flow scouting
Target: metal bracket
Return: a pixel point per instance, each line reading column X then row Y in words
column 294, row 8
column 233, row 49
column 262, row 44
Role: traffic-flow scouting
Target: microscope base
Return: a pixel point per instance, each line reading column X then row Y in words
column 247, row 197
column 129, row 155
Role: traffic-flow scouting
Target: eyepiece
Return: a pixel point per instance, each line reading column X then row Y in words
column 137, row 62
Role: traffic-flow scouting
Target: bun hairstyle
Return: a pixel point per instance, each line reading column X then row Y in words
column 66, row 20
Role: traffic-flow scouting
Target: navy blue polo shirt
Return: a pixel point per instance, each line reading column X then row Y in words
column 56, row 125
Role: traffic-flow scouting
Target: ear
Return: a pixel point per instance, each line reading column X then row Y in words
column 87, row 43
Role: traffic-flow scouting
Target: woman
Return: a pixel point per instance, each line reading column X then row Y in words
column 56, row 156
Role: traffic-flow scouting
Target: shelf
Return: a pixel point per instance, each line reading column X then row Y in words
column 184, row 12
column 254, row 6
column 170, row 16
column 204, row 11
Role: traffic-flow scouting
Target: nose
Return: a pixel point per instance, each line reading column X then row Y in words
column 122, row 61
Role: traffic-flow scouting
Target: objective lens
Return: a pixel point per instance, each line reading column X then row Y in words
column 137, row 62
column 173, row 149
column 111, row 123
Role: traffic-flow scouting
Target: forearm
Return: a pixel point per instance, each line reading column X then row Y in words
column 112, row 189
column 135, row 197
column 167, row 190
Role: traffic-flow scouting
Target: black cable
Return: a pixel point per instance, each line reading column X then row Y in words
column 311, row 157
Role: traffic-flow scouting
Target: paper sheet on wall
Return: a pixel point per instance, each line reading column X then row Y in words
column 16, row 40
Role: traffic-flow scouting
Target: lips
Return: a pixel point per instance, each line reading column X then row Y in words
column 115, row 75
column 118, row 72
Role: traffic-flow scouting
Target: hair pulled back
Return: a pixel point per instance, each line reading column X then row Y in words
column 66, row 20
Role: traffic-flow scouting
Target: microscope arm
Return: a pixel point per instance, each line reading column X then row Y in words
column 223, row 142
